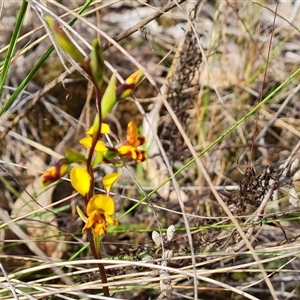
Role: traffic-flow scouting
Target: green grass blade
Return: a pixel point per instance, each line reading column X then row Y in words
column 12, row 44
column 219, row 139
column 34, row 70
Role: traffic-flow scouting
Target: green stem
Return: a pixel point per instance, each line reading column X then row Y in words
column 96, row 136
column 12, row 44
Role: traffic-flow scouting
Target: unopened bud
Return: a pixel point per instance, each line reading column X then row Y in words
column 55, row 172
column 124, row 90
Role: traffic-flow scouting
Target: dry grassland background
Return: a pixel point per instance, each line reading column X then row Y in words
column 219, row 106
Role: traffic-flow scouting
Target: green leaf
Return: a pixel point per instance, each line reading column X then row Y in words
column 63, row 40
column 97, row 63
column 73, row 156
column 96, row 126
column 12, row 44
column 98, row 159
column 109, row 98
column 81, row 214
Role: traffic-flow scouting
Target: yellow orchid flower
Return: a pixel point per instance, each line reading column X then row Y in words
column 100, row 209
column 133, row 140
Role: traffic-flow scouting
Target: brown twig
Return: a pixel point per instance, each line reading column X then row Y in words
column 144, row 22
column 255, row 218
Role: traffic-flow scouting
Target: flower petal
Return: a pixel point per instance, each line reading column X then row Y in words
column 109, row 180
column 132, row 133
column 100, row 228
column 140, row 155
column 104, row 129
column 140, row 140
column 133, row 138
column 100, row 147
column 134, row 153
column 101, row 202
column 87, row 142
column 80, row 180
column 125, row 150
column 92, row 220
column 110, row 220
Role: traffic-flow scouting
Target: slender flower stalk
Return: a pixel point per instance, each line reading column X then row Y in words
column 99, row 209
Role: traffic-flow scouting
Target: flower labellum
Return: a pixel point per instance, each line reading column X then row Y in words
column 100, row 209
column 133, row 141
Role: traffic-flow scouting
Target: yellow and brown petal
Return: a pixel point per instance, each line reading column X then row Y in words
column 134, row 153
column 133, row 138
column 99, row 209
column 124, row 90
column 55, row 172
column 133, row 141
column 97, row 221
